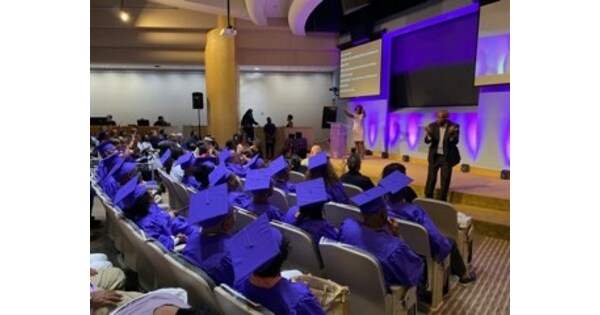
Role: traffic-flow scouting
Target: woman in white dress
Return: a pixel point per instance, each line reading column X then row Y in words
column 358, row 133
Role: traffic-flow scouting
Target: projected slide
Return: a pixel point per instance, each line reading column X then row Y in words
column 360, row 70
column 493, row 45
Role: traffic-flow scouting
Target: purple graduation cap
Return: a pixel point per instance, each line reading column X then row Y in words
column 257, row 180
column 209, row 207
column 371, row 200
column 186, row 160
column 125, row 169
column 253, row 246
column 278, row 165
column 311, row 192
column 317, row 161
column 165, row 157
column 105, row 146
column 219, row 175
column 224, row 156
column 394, row 182
column 129, row 193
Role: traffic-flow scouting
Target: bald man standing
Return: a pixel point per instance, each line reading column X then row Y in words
column 442, row 137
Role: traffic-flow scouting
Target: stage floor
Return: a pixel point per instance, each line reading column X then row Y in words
column 464, row 183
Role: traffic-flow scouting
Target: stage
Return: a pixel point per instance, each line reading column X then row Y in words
column 479, row 193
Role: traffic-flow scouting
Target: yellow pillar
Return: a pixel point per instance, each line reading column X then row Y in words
column 221, row 83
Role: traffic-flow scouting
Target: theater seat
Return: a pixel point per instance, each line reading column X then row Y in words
column 351, row 190
column 417, row 238
column 279, row 200
column 243, row 217
column 183, row 196
column 303, row 253
column 296, row 177
column 234, row 303
column 153, row 268
column 360, row 271
column 446, row 218
column 196, row 282
column 133, row 241
column 291, row 198
column 336, row 213
column 174, row 202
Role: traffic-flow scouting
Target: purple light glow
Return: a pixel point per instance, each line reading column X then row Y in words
column 394, row 129
column 505, row 144
column 414, row 130
column 372, row 130
column 472, row 134
column 493, row 55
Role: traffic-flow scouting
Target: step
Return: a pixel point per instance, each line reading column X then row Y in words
column 488, row 222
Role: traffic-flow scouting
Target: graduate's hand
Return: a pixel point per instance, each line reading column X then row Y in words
column 182, row 238
column 93, row 272
column 394, row 226
column 104, row 298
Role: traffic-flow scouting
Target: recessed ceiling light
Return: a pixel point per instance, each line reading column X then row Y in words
column 124, row 16
column 257, row 69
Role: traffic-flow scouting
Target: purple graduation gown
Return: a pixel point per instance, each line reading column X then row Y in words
column 283, row 298
column 336, row 193
column 316, row 228
column 239, row 199
column 286, row 186
column 399, row 264
column 110, row 187
column 273, row 213
column 190, row 181
column 439, row 244
column 158, row 225
column 209, row 253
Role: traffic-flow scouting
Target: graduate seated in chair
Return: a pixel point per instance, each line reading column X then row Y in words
column 280, row 171
column 207, row 249
column 320, row 167
column 379, row 236
column 259, row 183
column 307, row 214
column 258, row 252
column 138, row 206
column 221, row 175
column 186, row 162
column 394, row 182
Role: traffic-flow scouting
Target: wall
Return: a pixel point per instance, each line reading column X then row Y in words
column 130, row 95
column 303, row 95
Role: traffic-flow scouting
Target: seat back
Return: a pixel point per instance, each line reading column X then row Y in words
column 296, row 177
column 279, row 200
column 183, row 195
column 445, row 217
column 153, row 269
column 133, row 241
column 197, row 283
column 336, row 213
column 242, row 181
column 442, row 214
column 174, row 202
column 352, row 190
column 417, row 238
column 360, row 271
column 243, row 217
column 303, row 253
column 291, row 198
column 234, row 303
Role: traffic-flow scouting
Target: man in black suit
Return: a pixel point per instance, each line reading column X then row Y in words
column 442, row 137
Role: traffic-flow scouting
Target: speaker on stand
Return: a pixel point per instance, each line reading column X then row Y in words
column 198, row 103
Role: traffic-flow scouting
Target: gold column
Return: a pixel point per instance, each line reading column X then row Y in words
column 221, row 83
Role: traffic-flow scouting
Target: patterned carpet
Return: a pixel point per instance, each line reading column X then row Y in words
column 491, row 292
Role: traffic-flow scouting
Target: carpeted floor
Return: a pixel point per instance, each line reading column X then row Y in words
column 491, row 292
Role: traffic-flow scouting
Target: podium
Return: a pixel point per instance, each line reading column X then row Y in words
column 337, row 140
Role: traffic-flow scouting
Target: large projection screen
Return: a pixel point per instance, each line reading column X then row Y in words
column 360, row 70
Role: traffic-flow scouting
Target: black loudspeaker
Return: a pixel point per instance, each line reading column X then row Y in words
column 505, row 174
column 329, row 116
column 197, row 100
column 384, row 155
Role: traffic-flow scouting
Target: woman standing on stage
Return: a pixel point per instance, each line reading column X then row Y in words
column 358, row 134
